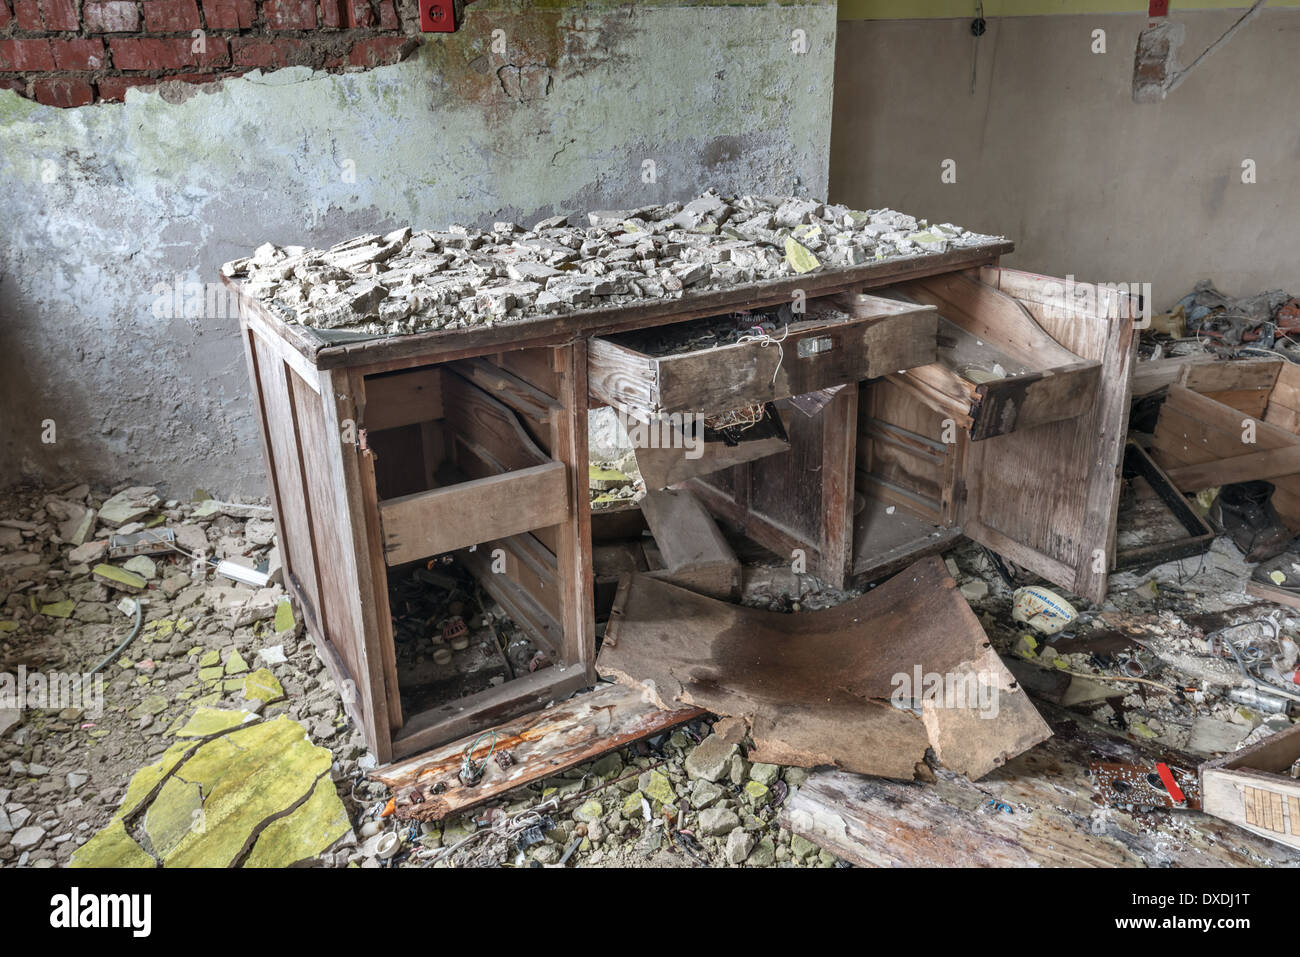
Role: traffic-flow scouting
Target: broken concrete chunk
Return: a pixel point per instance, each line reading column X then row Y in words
column 129, row 505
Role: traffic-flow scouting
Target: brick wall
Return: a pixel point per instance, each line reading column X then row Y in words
column 73, row 52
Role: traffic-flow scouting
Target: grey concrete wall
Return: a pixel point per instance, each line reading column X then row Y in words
column 1052, row 152
column 99, row 204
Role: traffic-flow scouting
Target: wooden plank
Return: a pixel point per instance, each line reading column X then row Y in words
column 444, row 519
column 488, row 428
column 664, row 457
column 838, row 477
column 528, row 587
column 816, row 688
column 695, row 554
column 476, row 712
column 1239, row 468
column 341, row 527
column 1037, row 811
column 403, row 398
column 540, row 745
column 573, row 540
column 537, row 408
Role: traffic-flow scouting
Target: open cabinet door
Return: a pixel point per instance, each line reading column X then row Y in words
column 1046, row 497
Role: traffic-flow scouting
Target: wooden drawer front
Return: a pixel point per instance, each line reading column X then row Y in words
column 882, row 336
column 445, row 519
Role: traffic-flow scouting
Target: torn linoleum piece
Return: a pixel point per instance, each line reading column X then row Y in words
column 818, row 688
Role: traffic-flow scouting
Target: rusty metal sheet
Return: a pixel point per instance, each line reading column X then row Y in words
column 427, row 787
column 815, row 688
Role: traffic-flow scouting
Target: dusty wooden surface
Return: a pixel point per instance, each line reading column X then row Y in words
column 539, row 745
column 815, row 687
column 1036, row 811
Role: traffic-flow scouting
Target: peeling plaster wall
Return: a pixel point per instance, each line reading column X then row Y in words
column 1052, row 152
column 101, row 203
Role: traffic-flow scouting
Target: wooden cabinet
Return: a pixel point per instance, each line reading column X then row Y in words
column 385, row 453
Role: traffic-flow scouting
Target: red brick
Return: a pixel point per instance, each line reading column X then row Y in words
column 20, row 56
column 360, row 13
column 289, row 14
column 16, row 83
column 28, row 15
column 111, row 16
column 59, row 15
column 63, row 91
column 79, row 54
column 158, row 53
column 229, row 14
column 5, row 14
column 171, row 16
column 269, row 53
column 377, row 51
column 114, row 87
column 388, row 16
column 332, row 13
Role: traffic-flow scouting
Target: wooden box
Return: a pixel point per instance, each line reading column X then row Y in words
column 1253, row 788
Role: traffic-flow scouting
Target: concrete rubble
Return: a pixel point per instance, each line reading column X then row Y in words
column 407, row 281
column 209, row 683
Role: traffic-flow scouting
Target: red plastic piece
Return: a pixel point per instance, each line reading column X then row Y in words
column 1167, row 777
column 1158, row 8
column 438, row 16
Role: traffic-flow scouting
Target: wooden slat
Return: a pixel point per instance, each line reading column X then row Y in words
column 444, row 519
column 541, row 745
column 403, row 398
column 1241, row 468
column 694, row 552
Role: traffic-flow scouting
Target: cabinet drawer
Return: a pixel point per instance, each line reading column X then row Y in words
column 996, row 369
column 646, row 373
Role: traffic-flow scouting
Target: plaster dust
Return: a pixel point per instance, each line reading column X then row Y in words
column 105, row 205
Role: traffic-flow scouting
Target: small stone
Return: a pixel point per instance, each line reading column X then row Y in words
column 656, row 786
column 27, row 837
column 704, row 794
column 89, row 552
column 589, row 811
column 756, row 793
column 765, row 774
column 763, row 855
column 718, row 821
column 711, row 759
column 739, row 845
column 974, row 591
column 632, row 806
column 802, row 848
column 142, row 565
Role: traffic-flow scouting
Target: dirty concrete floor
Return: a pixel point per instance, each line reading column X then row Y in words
column 210, row 647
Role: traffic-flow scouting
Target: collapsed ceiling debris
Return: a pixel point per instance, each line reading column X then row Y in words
column 406, row 281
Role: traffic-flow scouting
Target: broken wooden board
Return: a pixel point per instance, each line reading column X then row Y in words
column 1036, row 811
column 1194, row 430
column 671, row 461
column 542, row 744
column 694, row 553
column 816, row 687
column 1253, row 789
